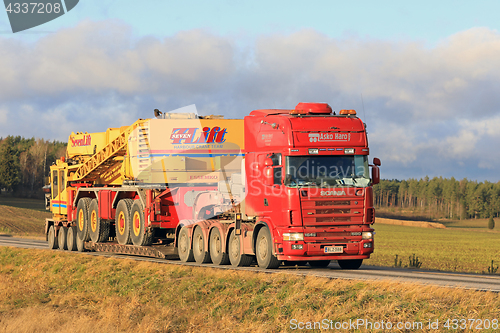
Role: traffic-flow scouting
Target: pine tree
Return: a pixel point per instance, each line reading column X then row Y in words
column 9, row 171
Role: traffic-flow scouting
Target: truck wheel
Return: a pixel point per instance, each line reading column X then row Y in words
column 98, row 229
column 217, row 247
column 264, row 250
column 139, row 237
column 53, row 243
column 122, row 221
column 82, row 218
column 319, row 263
column 235, row 257
column 62, row 238
column 71, row 239
column 200, row 255
column 350, row 264
column 184, row 247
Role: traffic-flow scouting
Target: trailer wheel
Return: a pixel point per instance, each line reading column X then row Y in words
column 82, row 218
column 235, row 257
column 98, row 229
column 264, row 250
column 137, row 233
column 80, row 244
column 122, row 221
column 184, row 247
column 53, row 243
column 350, row 264
column 200, row 255
column 71, row 239
column 217, row 254
column 62, row 238
column 319, row 263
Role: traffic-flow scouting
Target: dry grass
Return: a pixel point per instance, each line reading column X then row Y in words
column 43, row 291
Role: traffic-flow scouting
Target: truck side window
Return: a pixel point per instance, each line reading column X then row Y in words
column 55, row 186
column 277, row 169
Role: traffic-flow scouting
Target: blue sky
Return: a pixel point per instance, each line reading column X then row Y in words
column 428, row 72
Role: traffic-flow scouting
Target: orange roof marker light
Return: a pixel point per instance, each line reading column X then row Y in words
column 311, row 108
column 347, row 112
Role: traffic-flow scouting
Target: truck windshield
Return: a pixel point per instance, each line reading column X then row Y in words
column 327, row 171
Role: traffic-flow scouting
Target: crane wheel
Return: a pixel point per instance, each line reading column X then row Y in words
column 82, row 218
column 264, row 250
column 138, row 234
column 98, row 229
column 62, row 238
column 52, row 238
column 71, row 239
column 184, row 246
column 234, row 248
column 122, row 221
column 200, row 255
column 217, row 247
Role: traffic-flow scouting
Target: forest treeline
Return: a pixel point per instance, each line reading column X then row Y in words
column 440, row 197
column 24, row 164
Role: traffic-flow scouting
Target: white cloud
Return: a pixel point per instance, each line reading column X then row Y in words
column 423, row 106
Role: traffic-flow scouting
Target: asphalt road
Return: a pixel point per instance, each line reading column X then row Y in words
column 366, row 273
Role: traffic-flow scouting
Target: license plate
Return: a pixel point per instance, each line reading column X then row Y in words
column 334, row 249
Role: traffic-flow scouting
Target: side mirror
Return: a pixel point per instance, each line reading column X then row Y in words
column 268, row 162
column 268, row 174
column 376, row 161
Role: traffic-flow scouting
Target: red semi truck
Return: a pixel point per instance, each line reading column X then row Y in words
column 279, row 186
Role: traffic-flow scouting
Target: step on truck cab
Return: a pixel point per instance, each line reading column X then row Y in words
column 279, row 186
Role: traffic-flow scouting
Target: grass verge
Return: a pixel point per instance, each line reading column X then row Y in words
column 43, row 291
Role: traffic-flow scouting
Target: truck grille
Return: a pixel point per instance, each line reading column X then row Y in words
column 332, row 211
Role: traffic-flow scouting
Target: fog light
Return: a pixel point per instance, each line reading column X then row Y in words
column 297, row 246
column 310, row 234
column 293, row 236
column 367, row 245
column 367, row 235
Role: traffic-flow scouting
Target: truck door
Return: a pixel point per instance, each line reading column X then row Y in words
column 55, row 192
column 59, row 195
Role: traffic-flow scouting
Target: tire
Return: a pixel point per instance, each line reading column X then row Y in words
column 137, row 226
column 122, row 221
column 234, row 248
column 264, row 250
column 200, row 255
column 62, row 238
column 52, row 238
column 319, row 263
column 184, row 246
column 71, row 239
column 82, row 218
column 350, row 264
column 80, row 244
column 217, row 247
column 98, row 229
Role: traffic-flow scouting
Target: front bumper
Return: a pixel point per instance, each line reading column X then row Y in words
column 316, row 251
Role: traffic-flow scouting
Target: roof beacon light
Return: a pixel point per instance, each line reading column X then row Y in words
column 347, row 112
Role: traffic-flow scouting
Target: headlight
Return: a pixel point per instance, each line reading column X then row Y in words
column 367, row 235
column 293, row 236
